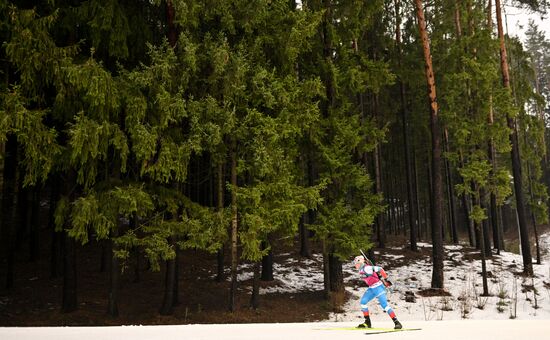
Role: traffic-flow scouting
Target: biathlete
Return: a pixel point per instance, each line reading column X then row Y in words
column 375, row 278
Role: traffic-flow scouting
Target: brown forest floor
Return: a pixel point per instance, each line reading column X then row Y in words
column 36, row 298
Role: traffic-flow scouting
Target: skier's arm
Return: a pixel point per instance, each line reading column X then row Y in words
column 384, row 276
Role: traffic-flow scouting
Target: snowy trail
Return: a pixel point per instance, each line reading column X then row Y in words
column 431, row 330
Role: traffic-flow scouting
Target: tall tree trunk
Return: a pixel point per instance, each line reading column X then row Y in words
column 466, row 202
column 56, row 254
column 309, row 216
column 114, row 277
column 176, row 296
column 267, row 264
column 327, row 54
column 170, row 19
column 490, row 15
column 34, row 240
column 531, row 194
column 437, row 206
column 485, row 234
column 234, row 212
column 136, row 251
column 305, row 247
column 410, row 185
column 56, row 248
column 336, row 274
column 458, row 24
column 255, row 298
column 416, row 194
column 451, row 193
column 220, row 277
column 544, row 161
column 69, row 295
column 69, row 300
column 169, row 278
column 104, row 256
column 22, row 212
column 380, row 227
column 167, row 306
column 477, row 198
column 470, row 227
column 482, row 247
column 326, row 109
column 491, row 152
column 516, row 159
column 7, row 222
column 326, row 271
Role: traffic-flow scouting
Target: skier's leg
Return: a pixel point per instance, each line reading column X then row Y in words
column 367, row 296
column 383, row 300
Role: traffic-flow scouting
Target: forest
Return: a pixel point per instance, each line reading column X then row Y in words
column 152, row 128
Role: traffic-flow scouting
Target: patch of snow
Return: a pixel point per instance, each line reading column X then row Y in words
column 510, row 293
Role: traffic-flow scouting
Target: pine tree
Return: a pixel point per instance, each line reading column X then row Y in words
column 343, row 220
column 436, row 210
column 516, row 160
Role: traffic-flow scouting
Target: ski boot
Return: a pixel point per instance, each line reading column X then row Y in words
column 398, row 324
column 366, row 324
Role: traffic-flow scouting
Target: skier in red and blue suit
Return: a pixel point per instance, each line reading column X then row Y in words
column 375, row 278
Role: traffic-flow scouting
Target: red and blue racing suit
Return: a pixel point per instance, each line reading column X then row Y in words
column 376, row 289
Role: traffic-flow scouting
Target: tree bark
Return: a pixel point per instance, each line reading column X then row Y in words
column 305, row 247
column 327, row 54
column 451, row 193
column 336, row 274
column 169, row 279
column 437, row 206
column 531, row 194
column 408, row 167
column 136, row 251
column 34, row 240
column 70, row 292
column 220, row 192
column 56, row 254
column 491, row 152
column 170, row 18
column 114, row 279
column 267, row 264
column 490, row 15
column 309, row 216
column 326, row 271
column 69, row 300
column 104, row 256
column 380, row 227
column 176, row 296
column 416, row 195
column 234, row 225
column 255, row 298
column 56, row 248
column 7, row 222
column 516, row 159
column 485, row 234
column 22, row 212
column 482, row 245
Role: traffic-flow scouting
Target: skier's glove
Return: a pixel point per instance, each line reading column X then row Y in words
column 387, row 283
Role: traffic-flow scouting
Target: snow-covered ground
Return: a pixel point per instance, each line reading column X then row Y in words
column 511, row 294
column 462, row 315
column 430, row 330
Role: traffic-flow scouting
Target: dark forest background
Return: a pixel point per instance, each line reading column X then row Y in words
column 136, row 133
